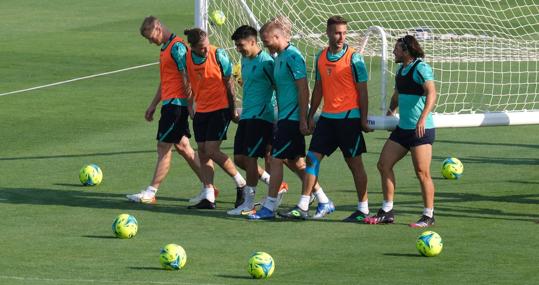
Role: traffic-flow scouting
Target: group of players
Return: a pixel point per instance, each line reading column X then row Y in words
column 196, row 81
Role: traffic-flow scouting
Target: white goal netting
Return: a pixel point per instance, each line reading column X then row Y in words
column 485, row 53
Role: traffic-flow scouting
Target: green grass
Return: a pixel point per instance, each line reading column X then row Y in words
column 54, row 231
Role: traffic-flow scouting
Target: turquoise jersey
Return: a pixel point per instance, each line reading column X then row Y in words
column 257, row 76
column 411, row 106
column 359, row 69
column 222, row 59
column 289, row 67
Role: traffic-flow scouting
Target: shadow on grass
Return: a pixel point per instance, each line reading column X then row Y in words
column 154, row 268
column 402, row 254
column 99, row 236
column 98, row 200
column 234, row 276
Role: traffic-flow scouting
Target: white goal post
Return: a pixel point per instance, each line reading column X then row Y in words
column 484, row 53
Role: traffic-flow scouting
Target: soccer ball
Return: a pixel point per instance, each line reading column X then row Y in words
column 218, row 17
column 452, row 168
column 261, row 265
column 90, row 175
column 429, row 244
column 125, row 226
column 173, row 257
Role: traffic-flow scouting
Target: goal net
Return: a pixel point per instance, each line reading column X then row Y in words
column 484, row 53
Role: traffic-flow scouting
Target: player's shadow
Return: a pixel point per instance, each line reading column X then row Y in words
column 100, row 236
column 100, row 200
column 77, row 155
column 234, row 276
column 402, row 254
column 153, row 268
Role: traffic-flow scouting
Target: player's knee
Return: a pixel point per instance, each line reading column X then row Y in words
column 313, row 164
column 382, row 166
column 423, row 175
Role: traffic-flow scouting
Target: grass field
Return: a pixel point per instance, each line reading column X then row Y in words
column 54, row 231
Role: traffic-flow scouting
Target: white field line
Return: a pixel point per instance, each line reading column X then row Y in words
column 77, row 79
column 97, row 281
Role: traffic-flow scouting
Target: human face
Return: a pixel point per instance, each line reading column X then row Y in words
column 247, row 47
column 398, row 52
column 202, row 48
column 155, row 36
column 337, row 36
column 271, row 41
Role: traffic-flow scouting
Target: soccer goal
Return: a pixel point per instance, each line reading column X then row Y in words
column 484, row 53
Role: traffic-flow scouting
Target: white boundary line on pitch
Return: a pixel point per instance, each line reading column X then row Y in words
column 77, row 79
column 99, row 281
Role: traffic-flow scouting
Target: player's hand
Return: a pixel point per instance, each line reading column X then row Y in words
column 312, row 124
column 303, row 128
column 420, row 128
column 390, row 113
column 191, row 111
column 149, row 113
column 365, row 126
column 235, row 116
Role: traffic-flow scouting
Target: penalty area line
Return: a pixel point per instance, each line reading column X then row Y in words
column 97, row 281
column 77, row 79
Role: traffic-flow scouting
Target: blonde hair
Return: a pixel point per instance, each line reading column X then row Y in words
column 281, row 23
column 148, row 25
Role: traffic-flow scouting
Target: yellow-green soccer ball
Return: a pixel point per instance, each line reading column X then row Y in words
column 429, row 244
column 261, row 265
column 452, row 168
column 125, row 226
column 218, row 17
column 173, row 257
column 90, row 175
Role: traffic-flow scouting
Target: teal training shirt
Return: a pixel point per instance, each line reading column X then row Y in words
column 258, row 84
column 411, row 106
column 359, row 69
column 289, row 67
column 222, row 59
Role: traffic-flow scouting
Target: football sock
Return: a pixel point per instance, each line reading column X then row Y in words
column 304, row 202
column 363, row 207
column 429, row 212
column 152, row 189
column 271, row 203
column 265, row 177
column 321, row 196
column 387, row 206
column 209, row 194
column 240, row 181
column 249, row 193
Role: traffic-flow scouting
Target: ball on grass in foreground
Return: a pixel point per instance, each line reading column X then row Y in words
column 173, row 257
column 218, row 17
column 90, row 175
column 429, row 244
column 125, row 226
column 452, row 168
column 261, row 265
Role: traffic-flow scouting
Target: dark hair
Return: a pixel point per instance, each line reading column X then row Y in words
column 410, row 44
column 336, row 20
column 195, row 35
column 244, row 32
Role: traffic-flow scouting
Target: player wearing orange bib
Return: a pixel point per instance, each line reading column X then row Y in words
column 173, row 125
column 209, row 71
column 341, row 80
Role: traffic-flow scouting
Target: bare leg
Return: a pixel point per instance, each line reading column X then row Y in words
column 164, row 155
column 188, row 153
column 421, row 157
column 360, row 176
column 391, row 153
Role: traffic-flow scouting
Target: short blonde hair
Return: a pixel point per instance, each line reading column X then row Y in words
column 281, row 23
column 148, row 25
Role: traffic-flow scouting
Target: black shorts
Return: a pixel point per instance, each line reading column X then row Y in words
column 173, row 124
column 252, row 137
column 288, row 142
column 211, row 126
column 345, row 134
column 408, row 138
